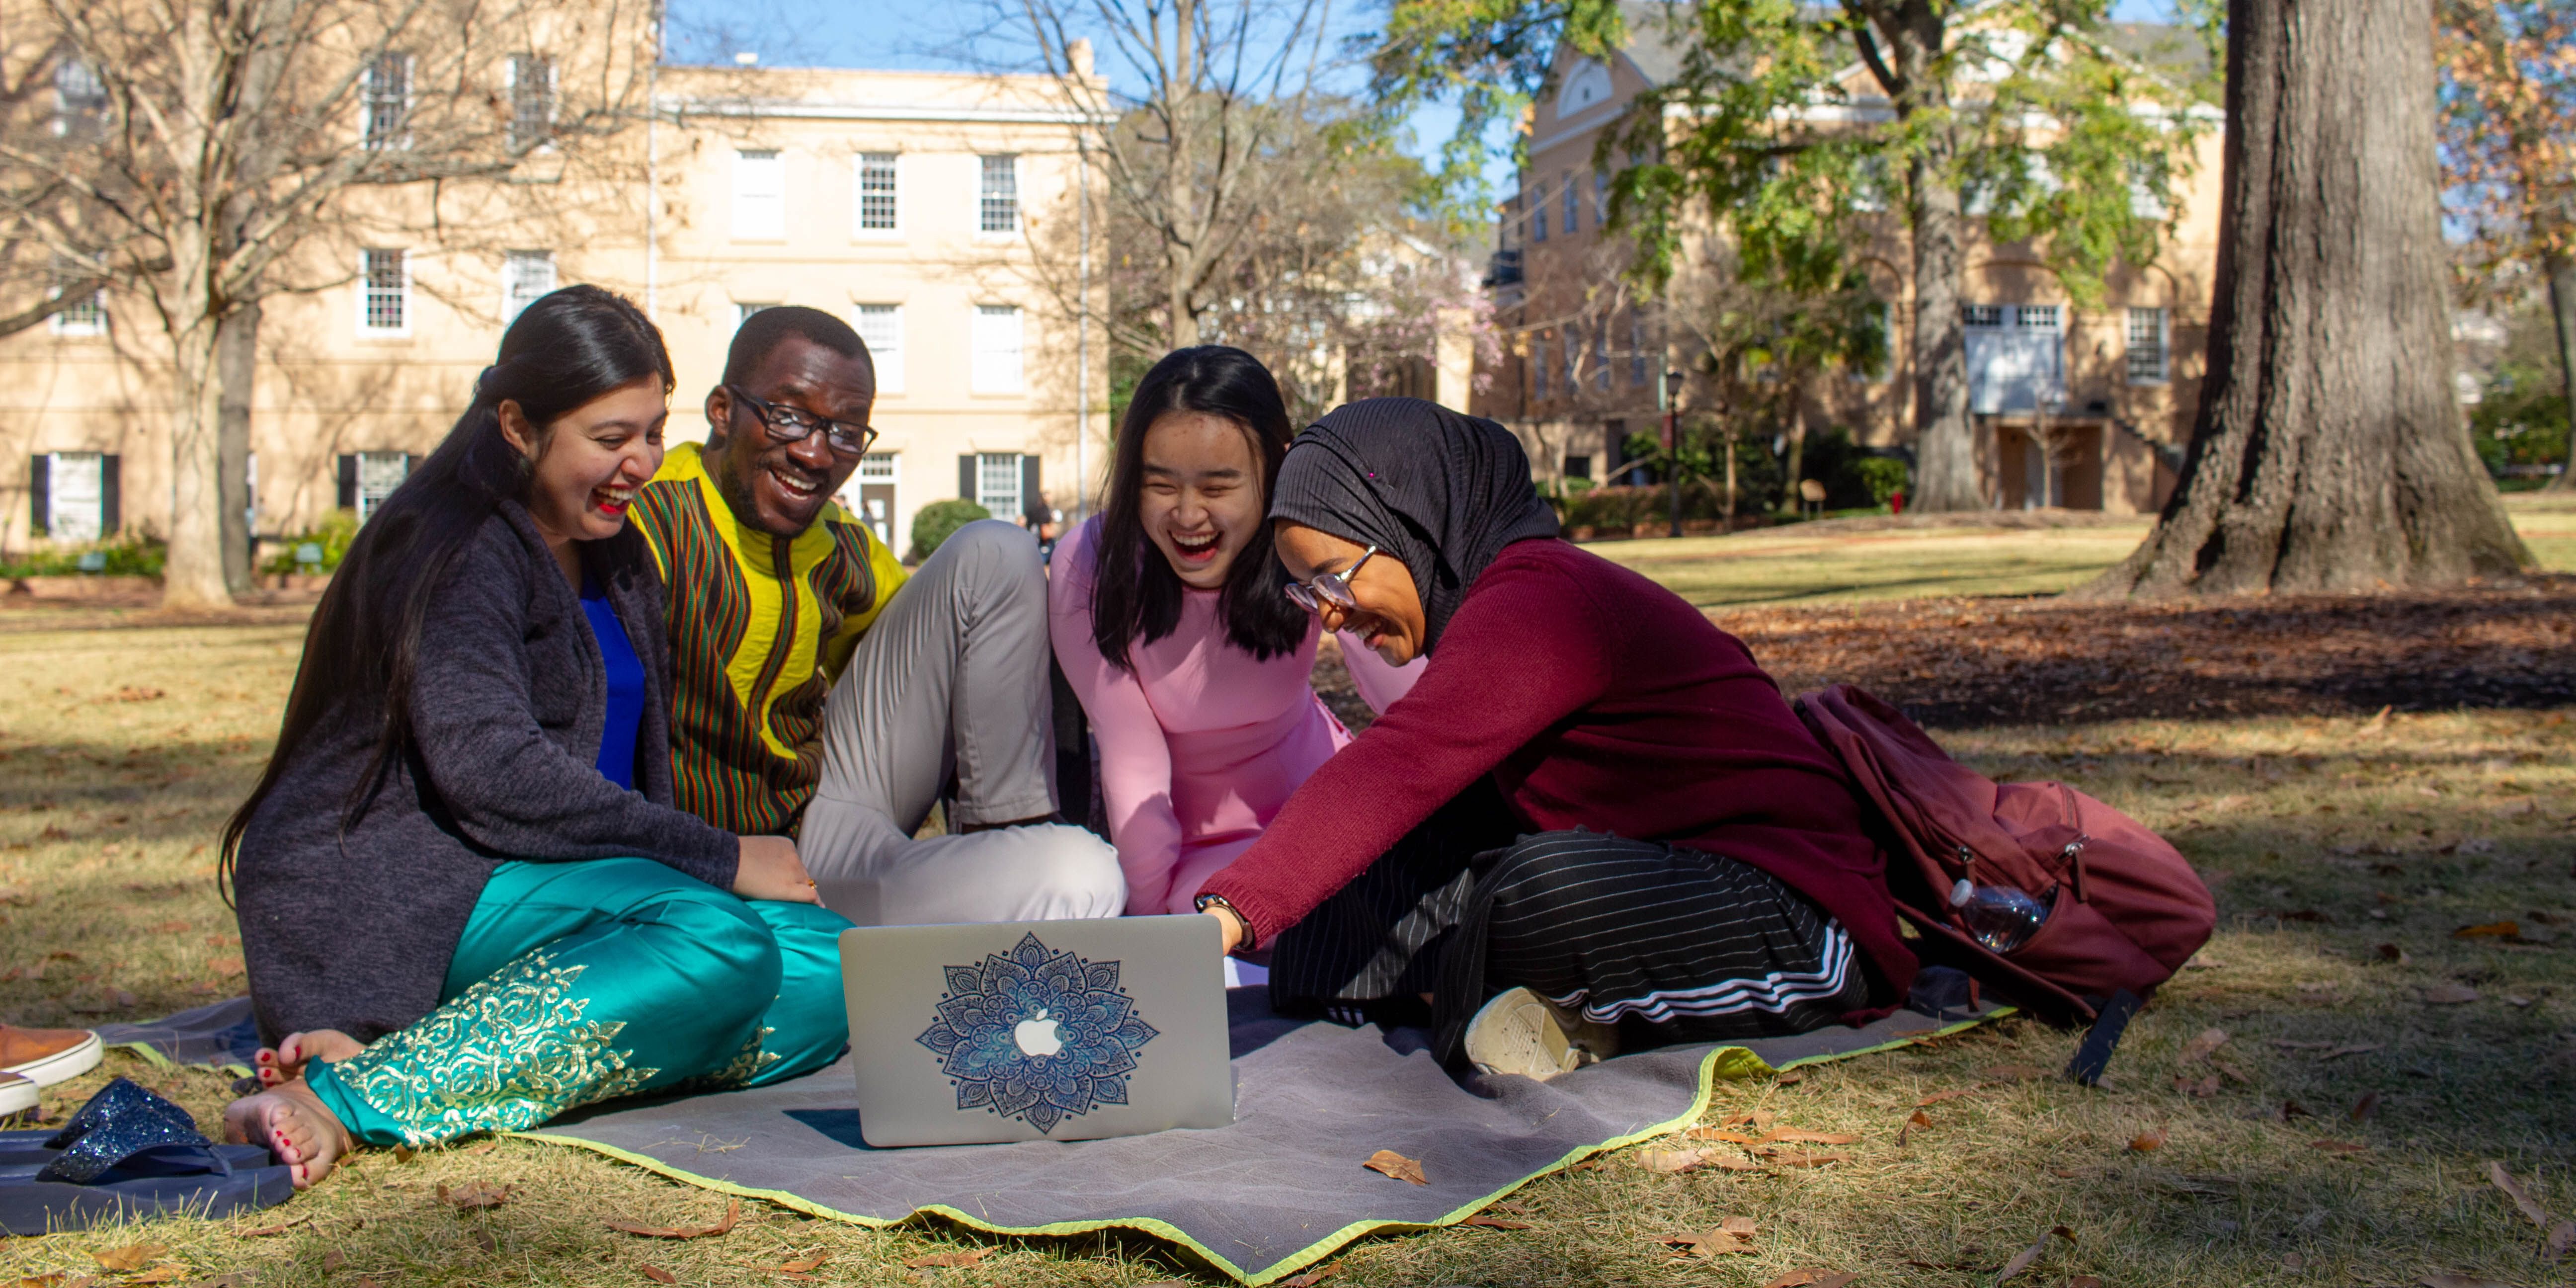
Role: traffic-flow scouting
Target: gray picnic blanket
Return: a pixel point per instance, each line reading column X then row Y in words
column 1279, row 1189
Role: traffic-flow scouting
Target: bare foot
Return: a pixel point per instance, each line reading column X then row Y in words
column 292, row 1123
column 284, row 1062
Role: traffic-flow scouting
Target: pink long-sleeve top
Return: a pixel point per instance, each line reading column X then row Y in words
column 1199, row 745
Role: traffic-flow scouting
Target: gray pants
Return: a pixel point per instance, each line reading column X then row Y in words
column 951, row 680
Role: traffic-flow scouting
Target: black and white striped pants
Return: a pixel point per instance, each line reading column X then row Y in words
column 1671, row 945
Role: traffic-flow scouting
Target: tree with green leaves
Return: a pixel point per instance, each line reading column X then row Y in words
column 2031, row 114
column 2509, row 158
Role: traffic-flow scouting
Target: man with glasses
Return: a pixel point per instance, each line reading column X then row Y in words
column 824, row 694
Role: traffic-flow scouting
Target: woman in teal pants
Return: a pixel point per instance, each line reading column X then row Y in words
column 466, row 901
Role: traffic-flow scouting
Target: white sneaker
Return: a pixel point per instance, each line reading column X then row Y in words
column 48, row 1056
column 1524, row 1033
column 17, row 1094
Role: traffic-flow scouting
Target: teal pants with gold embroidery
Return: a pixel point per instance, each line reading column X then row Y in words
column 576, row 982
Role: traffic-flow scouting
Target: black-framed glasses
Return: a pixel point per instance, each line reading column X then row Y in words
column 1330, row 589
column 795, row 425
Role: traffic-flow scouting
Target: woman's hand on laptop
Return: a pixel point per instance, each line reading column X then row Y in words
column 769, row 869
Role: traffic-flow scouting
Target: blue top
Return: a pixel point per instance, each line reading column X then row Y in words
column 625, row 686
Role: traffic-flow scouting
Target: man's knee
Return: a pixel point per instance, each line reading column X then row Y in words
column 1071, row 874
column 996, row 549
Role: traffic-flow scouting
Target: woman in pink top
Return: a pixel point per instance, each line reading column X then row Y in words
column 1169, row 622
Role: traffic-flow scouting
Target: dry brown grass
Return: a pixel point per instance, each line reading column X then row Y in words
column 2391, row 833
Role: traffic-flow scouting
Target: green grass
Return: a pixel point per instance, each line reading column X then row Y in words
column 123, row 743
column 1865, row 560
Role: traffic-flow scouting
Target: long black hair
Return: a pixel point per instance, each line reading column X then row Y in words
column 1135, row 595
column 567, row 348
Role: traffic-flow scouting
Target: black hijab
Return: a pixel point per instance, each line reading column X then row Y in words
column 1443, row 492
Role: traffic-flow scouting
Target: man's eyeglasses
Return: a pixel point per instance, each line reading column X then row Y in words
column 795, row 425
column 1332, row 588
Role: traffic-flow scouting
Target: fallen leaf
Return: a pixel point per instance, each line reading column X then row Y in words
column 2461, row 1281
column 2562, row 1236
column 2199, row 1047
column 2449, row 994
column 171, row 927
column 1495, row 1222
column 658, row 1274
column 1313, row 1277
column 267, row 1230
column 226, row 966
column 2198, row 1088
column 1914, row 1122
column 1735, row 1234
column 404, row 1154
column 733, row 1211
column 962, row 1257
column 2148, row 1141
column 799, row 1267
column 2517, row 1001
column 332, row 1260
column 1810, row 1137
column 2363, row 1108
column 1792, row 1078
column 2084, row 1281
column 133, row 1256
column 2521, row 1197
column 1719, row 1133
column 1397, row 1166
column 2491, row 930
column 1672, row 1160
column 475, row 1195
column 161, row 1274
column 2339, row 1147
column 1814, row 1279
column 1939, row 1096
column 2022, row 1259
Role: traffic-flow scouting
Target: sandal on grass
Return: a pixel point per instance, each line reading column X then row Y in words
column 129, row 1152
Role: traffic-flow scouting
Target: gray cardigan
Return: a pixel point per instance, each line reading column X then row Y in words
column 354, row 930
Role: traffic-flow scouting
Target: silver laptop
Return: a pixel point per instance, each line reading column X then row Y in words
column 1037, row 1030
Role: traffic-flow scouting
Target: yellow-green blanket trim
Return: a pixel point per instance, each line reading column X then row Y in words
column 1730, row 1063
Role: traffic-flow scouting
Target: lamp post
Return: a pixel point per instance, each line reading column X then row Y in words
column 1673, row 446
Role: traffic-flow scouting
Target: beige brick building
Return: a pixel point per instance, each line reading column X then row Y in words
column 2109, row 386
column 939, row 214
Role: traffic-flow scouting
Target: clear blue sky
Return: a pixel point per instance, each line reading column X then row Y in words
column 938, row 35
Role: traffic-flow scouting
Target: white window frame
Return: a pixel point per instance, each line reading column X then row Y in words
column 859, row 231
column 97, row 526
column 511, row 262
column 988, row 377
column 747, row 220
column 873, row 321
column 84, row 318
column 986, row 200
column 743, row 309
column 2157, row 369
column 992, row 465
column 2039, row 317
column 366, row 292
column 399, row 139
column 381, row 462
column 84, row 113
column 510, row 77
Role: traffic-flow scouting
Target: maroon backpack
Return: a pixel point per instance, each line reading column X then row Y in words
column 2128, row 909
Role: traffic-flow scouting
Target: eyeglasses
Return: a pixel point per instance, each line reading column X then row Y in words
column 1332, row 588
column 795, row 425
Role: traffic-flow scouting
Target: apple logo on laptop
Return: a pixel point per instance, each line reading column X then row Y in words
column 1036, row 1035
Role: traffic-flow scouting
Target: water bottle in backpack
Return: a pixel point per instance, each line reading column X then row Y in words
column 2000, row 917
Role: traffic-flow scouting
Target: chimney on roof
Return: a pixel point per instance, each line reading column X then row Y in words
column 1078, row 56
column 747, row 58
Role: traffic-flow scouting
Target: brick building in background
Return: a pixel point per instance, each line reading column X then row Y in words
column 2110, row 387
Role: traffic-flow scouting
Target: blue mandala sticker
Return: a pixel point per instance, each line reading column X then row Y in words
column 1037, row 1035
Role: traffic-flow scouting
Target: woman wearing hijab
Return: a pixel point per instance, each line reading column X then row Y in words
column 1690, row 866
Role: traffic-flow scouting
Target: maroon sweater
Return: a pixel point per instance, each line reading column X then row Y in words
column 1595, row 698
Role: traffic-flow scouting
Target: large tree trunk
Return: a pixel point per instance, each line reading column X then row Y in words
column 236, row 369
column 193, row 577
column 1945, row 445
column 2562, row 302
column 2330, row 453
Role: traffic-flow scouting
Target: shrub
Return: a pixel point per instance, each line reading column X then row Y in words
column 333, row 535
column 132, row 556
column 934, row 523
column 1884, row 476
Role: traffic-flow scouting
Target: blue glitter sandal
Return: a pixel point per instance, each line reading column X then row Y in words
column 129, row 1152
